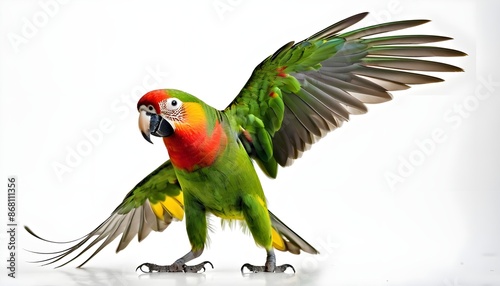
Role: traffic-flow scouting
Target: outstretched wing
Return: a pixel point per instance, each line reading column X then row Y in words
column 150, row 205
column 307, row 89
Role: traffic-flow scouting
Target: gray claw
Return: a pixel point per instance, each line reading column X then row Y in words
column 283, row 268
column 196, row 268
column 148, row 265
column 252, row 268
column 156, row 268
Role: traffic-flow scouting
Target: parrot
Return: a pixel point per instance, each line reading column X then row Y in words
column 292, row 99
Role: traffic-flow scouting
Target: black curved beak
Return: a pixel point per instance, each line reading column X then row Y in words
column 160, row 127
column 153, row 124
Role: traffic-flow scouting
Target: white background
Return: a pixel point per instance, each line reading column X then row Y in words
column 67, row 68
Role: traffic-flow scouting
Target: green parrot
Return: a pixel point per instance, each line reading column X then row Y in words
column 293, row 98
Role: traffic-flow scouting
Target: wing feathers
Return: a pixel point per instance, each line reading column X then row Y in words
column 381, row 28
column 337, row 27
column 131, row 229
column 337, row 90
column 328, row 76
column 413, row 51
column 134, row 216
column 397, row 76
column 409, row 64
column 293, row 242
column 126, row 225
column 405, row 40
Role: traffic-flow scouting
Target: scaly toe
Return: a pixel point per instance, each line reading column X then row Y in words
column 151, row 267
column 196, row 268
column 283, row 268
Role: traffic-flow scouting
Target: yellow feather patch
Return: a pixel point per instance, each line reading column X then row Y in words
column 158, row 210
column 193, row 117
column 278, row 242
column 180, row 198
column 230, row 216
column 173, row 207
column 261, row 201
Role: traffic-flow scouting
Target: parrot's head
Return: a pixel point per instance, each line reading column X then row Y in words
column 191, row 129
column 164, row 112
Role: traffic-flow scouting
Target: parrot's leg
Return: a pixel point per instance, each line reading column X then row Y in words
column 196, row 227
column 257, row 218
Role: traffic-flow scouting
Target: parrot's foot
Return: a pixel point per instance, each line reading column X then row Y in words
column 267, row 268
column 175, row 267
column 270, row 265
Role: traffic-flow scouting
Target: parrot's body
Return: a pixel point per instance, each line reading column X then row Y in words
column 292, row 98
column 216, row 174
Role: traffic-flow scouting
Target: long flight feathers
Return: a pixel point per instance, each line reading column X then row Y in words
column 323, row 79
column 134, row 216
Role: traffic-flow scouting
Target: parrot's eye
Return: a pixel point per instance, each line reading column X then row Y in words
column 173, row 104
column 151, row 108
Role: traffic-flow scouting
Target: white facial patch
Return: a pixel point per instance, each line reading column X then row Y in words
column 172, row 109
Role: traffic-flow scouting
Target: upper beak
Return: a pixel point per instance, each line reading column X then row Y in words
column 150, row 123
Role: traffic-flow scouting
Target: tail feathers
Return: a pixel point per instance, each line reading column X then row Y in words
column 285, row 239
